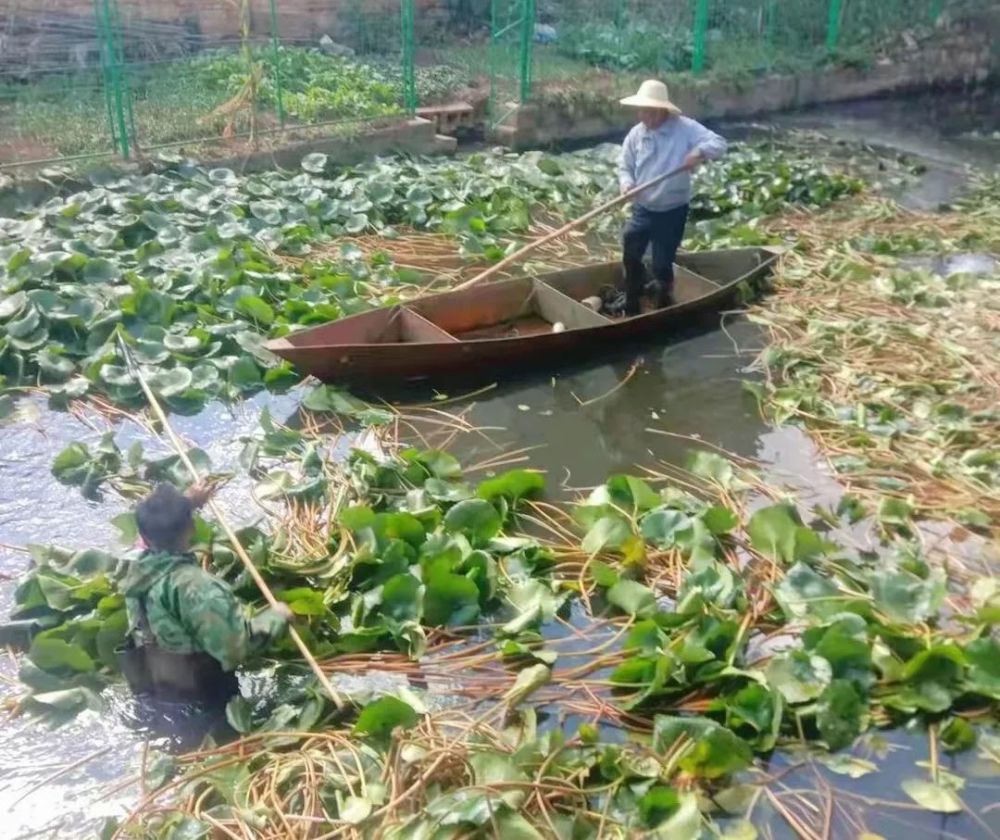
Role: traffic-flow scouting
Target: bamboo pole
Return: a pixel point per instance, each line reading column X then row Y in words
column 265, row 590
column 556, row 234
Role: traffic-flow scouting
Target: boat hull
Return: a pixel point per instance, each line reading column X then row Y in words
column 505, row 326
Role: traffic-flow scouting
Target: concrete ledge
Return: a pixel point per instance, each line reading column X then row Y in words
column 414, row 136
column 967, row 55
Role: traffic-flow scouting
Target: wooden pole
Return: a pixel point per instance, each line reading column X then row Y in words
column 597, row 211
column 265, row 590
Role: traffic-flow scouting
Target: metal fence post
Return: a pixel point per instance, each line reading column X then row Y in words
column 408, row 18
column 279, row 95
column 527, row 46
column 114, row 94
column 833, row 25
column 700, row 32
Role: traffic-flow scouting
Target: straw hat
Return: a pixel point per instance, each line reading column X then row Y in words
column 652, row 94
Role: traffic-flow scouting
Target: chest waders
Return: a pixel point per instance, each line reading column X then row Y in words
column 175, row 677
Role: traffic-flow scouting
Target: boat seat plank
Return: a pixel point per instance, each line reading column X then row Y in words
column 555, row 307
column 723, row 266
column 690, row 286
column 414, row 327
column 478, row 307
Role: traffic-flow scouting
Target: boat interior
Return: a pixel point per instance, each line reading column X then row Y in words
column 522, row 307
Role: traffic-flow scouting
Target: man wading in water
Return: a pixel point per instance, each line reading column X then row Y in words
column 187, row 630
column 662, row 141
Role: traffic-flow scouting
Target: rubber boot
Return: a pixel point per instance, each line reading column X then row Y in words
column 664, row 295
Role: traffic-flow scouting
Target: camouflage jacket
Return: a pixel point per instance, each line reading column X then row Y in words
column 174, row 603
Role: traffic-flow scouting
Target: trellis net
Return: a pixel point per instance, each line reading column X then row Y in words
column 83, row 79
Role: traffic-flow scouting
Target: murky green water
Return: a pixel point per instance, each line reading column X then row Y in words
column 583, row 423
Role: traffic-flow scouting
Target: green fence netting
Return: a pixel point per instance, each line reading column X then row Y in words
column 128, row 78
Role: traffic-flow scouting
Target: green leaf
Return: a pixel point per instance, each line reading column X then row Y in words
column 528, row 681
column 111, row 636
column 450, row 600
column 759, row 708
column 657, row 805
column 933, row 676
column 983, row 678
column 12, row 305
column 895, row 514
column 845, row 645
column 356, row 223
column 245, row 375
column 315, row 163
column 330, row 398
column 936, row 798
column 55, row 368
column 798, row 676
column 239, row 714
column 381, row 716
column 401, row 598
column 170, row 383
column 845, row 764
column 267, row 211
column 720, row 520
column 68, row 700
column 181, row 343
column 632, row 494
column 513, row 486
column 100, row 271
column 512, row 826
column 663, row 527
column 772, row 532
column 535, row 604
column 957, row 735
column 58, row 656
column 463, row 806
column 476, row 519
column 304, row 600
column 682, row 824
column 712, row 466
column 609, row 532
column 906, row 598
column 256, row 308
column 357, row 517
column 356, row 810
column 603, row 574
column 841, row 714
column 116, row 375
column 633, row 598
column 712, row 751
column 439, row 464
column 802, row 592
column 25, row 325
column 447, row 491
column 68, row 463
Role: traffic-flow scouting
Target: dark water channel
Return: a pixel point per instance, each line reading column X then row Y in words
column 583, row 423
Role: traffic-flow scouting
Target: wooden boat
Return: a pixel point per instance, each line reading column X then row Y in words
column 509, row 324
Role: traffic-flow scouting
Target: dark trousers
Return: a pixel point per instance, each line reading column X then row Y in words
column 664, row 230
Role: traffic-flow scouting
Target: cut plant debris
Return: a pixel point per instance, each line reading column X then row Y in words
column 611, row 667
column 884, row 345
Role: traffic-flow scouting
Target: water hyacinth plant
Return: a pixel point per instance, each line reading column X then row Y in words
column 186, row 263
column 699, row 610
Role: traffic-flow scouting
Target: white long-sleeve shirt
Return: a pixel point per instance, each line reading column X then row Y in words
column 646, row 154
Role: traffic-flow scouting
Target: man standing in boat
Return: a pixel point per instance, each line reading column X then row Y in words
column 663, row 140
